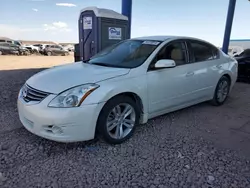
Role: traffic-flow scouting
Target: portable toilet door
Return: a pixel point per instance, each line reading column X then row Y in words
column 87, row 35
column 100, row 28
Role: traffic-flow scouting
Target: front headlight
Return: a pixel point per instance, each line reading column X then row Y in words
column 73, row 97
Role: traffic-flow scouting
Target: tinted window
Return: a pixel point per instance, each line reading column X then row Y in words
column 2, row 40
column 203, row 52
column 126, row 54
column 17, row 43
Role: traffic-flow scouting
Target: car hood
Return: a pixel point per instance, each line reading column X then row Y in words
column 63, row 77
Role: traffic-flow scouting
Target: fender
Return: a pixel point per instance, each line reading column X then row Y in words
column 119, row 85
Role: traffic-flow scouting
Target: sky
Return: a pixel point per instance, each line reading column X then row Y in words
column 57, row 20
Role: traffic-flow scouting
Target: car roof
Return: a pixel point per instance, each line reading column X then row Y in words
column 163, row 38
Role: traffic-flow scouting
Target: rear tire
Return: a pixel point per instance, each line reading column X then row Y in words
column 1, row 53
column 49, row 53
column 221, row 91
column 118, row 120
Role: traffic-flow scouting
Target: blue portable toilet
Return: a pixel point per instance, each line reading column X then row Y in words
column 100, row 28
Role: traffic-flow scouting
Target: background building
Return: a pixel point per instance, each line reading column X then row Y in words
column 244, row 43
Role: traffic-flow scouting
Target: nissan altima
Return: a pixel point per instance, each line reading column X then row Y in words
column 124, row 85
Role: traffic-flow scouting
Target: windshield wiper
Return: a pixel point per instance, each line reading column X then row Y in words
column 108, row 65
column 104, row 64
column 86, row 61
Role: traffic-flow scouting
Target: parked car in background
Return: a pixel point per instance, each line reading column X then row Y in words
column 32, row 48
column 11, row 41
column 235, row 50
column 55, row 50
column 41, row 47
column 10, row 48
column 243, row 65
column 38, row 45
column 69, row 48
column 123, row 85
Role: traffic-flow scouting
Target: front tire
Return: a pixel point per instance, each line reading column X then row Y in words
column 118, row 119
column 221, row 91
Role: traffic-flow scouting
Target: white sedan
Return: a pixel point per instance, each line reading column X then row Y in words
column 124, row 85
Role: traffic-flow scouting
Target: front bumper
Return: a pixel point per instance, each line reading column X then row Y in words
column 59, row 124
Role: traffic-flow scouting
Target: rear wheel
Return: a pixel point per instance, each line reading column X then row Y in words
column 221, row 91
column 49, row 53
column 1, row 53
column 118, row 119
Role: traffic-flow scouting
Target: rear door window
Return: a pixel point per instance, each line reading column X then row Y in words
column 201, row 51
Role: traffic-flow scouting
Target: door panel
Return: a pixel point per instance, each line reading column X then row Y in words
column 206, row 64
column 57, row 50
column 169, row 88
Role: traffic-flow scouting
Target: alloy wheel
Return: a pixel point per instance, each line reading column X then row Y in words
column 222, row 91
column 121, row 121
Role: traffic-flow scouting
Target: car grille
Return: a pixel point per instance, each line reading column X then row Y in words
column 30, row 94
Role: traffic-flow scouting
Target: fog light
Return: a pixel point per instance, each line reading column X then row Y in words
column 57, row 130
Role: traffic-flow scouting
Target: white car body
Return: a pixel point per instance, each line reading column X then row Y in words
column 158, row 92
column 32, row 47
column 44, row 46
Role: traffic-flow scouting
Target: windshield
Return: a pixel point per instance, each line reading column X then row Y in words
column 126, row 54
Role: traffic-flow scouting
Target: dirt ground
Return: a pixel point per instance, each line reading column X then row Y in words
column 200, row 146
column 29, row 62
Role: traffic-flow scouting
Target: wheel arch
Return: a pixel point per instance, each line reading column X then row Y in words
column 133, row 96
column 228, row 76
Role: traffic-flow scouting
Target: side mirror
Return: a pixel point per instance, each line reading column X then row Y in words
column 165, row 63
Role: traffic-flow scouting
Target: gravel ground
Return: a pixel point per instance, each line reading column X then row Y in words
column 201, row 146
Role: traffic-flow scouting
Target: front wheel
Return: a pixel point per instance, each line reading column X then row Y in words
column 221, row 91
column 118, row 119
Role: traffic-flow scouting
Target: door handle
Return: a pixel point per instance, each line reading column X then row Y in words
column 190, row 74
